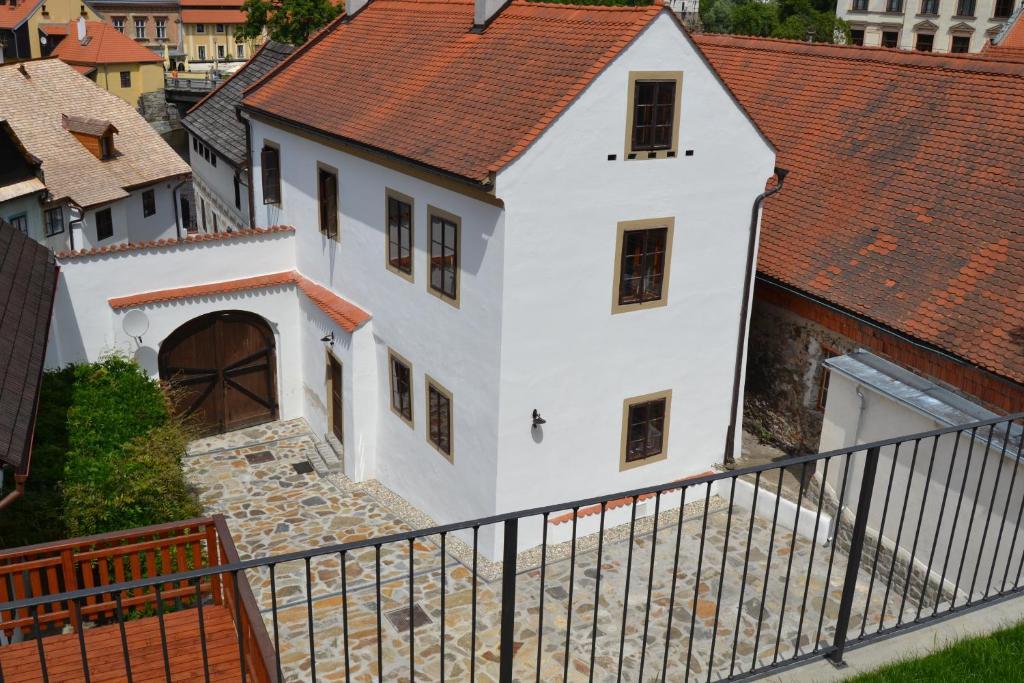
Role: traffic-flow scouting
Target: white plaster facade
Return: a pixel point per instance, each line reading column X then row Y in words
column 975, row 20
column 534, row 327
column 215, row 195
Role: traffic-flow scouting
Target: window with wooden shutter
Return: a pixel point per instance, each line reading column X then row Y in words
column 327, row 192
column 270, row 165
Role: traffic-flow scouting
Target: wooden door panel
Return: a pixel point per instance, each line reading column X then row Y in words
column 334, row 380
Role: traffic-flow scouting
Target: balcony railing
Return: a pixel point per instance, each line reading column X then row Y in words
column 710, row 578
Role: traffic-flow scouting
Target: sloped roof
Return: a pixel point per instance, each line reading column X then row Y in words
column 213, row 118
column 1008, row 44
column 408, row 77
column 33, row 106
column 28, row 278
column 905, row 201
column 212, row 16
column 13, row 16
column 103, row 44
column 87, row 126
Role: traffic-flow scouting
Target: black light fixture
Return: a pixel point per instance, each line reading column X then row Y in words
column 537, row 419
column 328, row 338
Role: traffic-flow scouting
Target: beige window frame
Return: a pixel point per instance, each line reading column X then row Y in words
column 440, row 213
column 626, row 404
column 392, row 357
column 395, row 194
column 634, row 76
column 623, row 227
column 432, row 383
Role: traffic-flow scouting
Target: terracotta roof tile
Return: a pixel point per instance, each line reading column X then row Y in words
column 173, row 242
column 438, row 94
column 212, row 16
column 104, row 44
column 13, row 15
column 347, row 315
column 905, row 200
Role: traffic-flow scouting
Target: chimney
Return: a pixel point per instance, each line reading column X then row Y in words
column 81, row 29
column 352, row 7
column 484, row 12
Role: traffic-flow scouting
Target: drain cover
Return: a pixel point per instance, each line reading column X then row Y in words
column 302, row 467
column 259, row 457
column 399, row 618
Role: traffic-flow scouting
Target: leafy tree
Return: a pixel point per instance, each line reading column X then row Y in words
column 793, row 19
column 716, row 15
column 286, row 21
column 756, row 19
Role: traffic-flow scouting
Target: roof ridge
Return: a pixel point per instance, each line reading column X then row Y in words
column 970, row 63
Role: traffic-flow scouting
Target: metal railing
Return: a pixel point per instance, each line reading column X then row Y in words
column 191, row 84
column 717, row 577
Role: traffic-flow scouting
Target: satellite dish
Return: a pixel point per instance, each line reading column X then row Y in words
column 135, row 324
column 43, row 40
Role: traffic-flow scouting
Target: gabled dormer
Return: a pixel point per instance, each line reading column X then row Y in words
column 96, row 135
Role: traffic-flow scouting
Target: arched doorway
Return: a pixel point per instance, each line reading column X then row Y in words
column 222, row 369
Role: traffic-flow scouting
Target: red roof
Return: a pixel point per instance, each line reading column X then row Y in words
column 104, row 44
column 212, row 16
column 54, row 29
column 905, row 201
column 438, row 94
column 12, row 16
column 1014, row 35
column 222, row 4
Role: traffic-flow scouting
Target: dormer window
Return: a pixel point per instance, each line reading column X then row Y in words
column 95, row 135
column 652, row 119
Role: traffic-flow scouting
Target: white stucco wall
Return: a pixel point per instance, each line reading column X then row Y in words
column 563, row 351
column 29, row 207
column 215, row 185
column 909, row 22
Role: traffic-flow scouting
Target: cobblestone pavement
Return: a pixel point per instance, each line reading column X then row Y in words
column 272, row 508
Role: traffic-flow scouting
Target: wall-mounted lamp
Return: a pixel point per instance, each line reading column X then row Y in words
column 328, row 338
column 537, row 419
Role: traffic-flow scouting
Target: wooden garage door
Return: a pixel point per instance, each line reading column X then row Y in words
column 221, row 368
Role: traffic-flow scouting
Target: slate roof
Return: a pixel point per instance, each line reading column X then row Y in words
column 905, row 200
column 28, row 277
column 213, row 118
column 408, row 77
column 103, row 44
column 33, row 106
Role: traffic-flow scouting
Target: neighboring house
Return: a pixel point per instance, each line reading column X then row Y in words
column 218, row 146
column 21, row 186
column 114, row 61
column 900, row 226
column 208, row 34
column 109, row 176
column 20, row 22
column 1008, row 43
column 28, row 283
column 155, row 24
column 925, row 25
column 538, row 214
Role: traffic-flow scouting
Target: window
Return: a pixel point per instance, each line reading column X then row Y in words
column 238, row 192
column 220, row 28
column 653, row 116
column 106, row 146
column 645, row 421
column 161, row 29
column 200, row 28
column 439, row 418
column 20, row 222
column 924, row 42
column 823, row 374
column 104, row 225
column 220, row 52
column 54, row 221
column 270, row 167
column 213, row 158
column 444, row 256
column 201, row 51
column 399, row 217
column 216, row 228
column 894, row 6
column 186, row 215
column 202, row 209
column 929, row 6
column 195, row 145
column 890, row 38
column 960, row 44
column 965, row 8
column 119, row 24
column 126, row 79
column 400, row 372
column 327, row 194
column 859, row 6
column 148, row 203
column 1003, row 9
column 857, row 36
column 140, row 28
column 643, row 253
column 240, row 50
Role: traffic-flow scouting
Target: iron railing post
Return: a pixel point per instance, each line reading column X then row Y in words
column 860, row 523
column 508, row 599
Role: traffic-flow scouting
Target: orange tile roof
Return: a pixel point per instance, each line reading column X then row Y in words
column 173, row 242
column 438, row 94
column 1013, row 36
column 13, row 16
column 104, row 45
column 905, row 199
column 54, row 29
column 347, row 315
column 212, row 16
column 221, row 4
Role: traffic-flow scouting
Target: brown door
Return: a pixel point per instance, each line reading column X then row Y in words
column 221, row 368
column 334, row 380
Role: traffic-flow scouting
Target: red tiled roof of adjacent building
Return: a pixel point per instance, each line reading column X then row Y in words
column 347, row 315
column 104, row 44
column 222, row 4
column 417, row 83
column 54, row 29
column 905, row 201
column 1013, row 35
column 14, row 15
column 212, row 16
column 174, row 242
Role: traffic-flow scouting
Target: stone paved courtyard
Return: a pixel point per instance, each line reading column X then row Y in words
column 272, row 508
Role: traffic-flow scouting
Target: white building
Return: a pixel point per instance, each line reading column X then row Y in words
column 543, row 213
column 109, row 178
column 926, row 25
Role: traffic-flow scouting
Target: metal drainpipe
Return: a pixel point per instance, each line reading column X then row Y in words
column 741, row 340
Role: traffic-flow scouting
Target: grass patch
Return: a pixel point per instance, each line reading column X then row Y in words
column 996, row 657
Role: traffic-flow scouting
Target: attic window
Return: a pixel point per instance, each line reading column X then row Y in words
column 652, row 118
column 95, row 135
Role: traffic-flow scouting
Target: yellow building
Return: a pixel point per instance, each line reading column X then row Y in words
column 117, row 63
column 208, row 34
column 20, row 37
